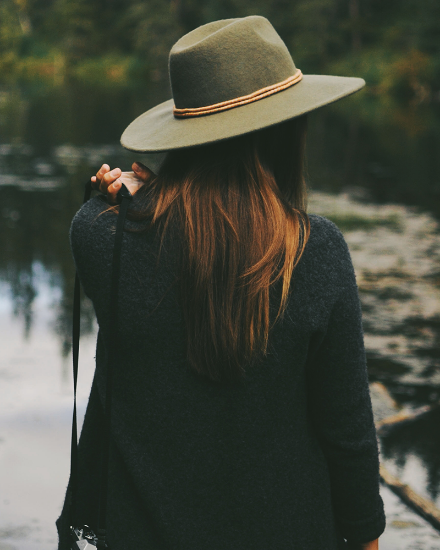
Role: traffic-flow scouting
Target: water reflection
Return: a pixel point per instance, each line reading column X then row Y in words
column 34, row 228
column 386, row 150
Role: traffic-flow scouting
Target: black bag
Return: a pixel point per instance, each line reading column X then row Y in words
column 83, row 538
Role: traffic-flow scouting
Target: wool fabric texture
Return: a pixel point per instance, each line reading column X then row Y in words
column 287, row 459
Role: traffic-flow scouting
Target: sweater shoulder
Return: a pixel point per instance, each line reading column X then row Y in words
column 324, row 232
column 92, row 234
column 93, row 227
column 326, row 255
column 91, row 213
column 326, row 240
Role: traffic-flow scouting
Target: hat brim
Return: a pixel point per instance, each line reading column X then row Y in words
column 158, row 130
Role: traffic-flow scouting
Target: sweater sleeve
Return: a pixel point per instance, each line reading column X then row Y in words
column 341, row 410
column 91, row 241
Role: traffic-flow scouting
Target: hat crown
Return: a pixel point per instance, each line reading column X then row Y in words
column 227, row 59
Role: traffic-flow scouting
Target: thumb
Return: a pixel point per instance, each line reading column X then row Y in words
column 142, row 172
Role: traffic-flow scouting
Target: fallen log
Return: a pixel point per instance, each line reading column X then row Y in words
column 403, row 416
column 419, row 504
column 422, row 506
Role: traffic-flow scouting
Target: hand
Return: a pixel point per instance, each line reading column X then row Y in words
column 109, row 181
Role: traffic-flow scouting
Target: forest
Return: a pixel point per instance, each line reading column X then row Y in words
column 394, row 45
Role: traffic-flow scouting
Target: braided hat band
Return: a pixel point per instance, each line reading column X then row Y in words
column 238, row 101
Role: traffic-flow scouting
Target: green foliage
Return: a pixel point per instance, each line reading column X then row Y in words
column 394, row 44
column 155, row 27
column 353, row 222
column 109, row 70
column 11, row 32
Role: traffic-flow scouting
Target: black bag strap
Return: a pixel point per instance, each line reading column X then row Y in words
column 72, row 496
column 124, row 197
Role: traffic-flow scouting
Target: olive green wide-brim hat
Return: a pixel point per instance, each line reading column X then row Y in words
column 228, row 78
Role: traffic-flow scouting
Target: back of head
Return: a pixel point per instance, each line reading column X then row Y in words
column 239, row 206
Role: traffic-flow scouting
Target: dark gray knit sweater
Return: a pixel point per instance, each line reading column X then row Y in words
column 286, row 460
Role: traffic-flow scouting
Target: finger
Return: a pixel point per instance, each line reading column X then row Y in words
column 103, row 170
column 108, row 178
column 112, row 191
column 141, row 171
column 99, row 175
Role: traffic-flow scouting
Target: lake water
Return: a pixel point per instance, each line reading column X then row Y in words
column 373, row 170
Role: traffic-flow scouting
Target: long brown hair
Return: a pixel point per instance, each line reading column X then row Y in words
column 240, row 207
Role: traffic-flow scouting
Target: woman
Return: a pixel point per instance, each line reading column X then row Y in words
column 241, row 411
